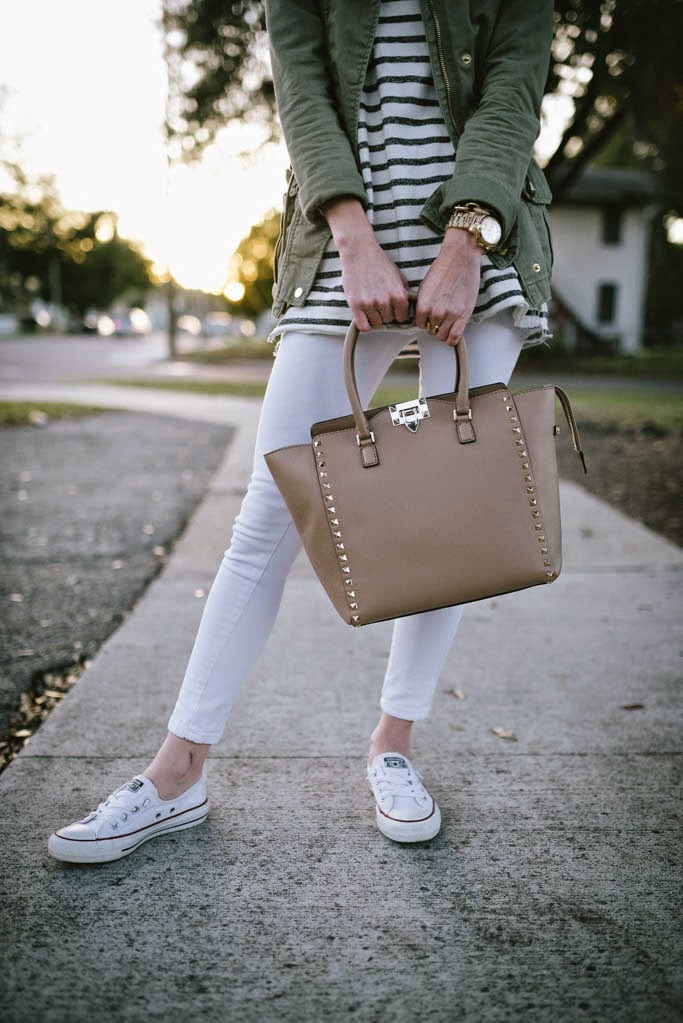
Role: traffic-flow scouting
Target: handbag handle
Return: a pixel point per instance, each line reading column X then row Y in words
column 463, row 411
column 364, row 435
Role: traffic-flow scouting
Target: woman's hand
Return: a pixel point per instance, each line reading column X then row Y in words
column 375, row 289
column 448, row 293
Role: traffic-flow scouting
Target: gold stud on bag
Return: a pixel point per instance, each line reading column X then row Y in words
column 430, row 503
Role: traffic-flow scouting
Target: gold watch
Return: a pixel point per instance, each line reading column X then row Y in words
column 479, row 221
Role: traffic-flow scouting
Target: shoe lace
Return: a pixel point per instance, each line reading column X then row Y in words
column 399, row 782
column 119, row 806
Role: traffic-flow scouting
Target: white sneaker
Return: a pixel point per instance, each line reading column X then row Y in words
column 405, row 810
column 131, row 815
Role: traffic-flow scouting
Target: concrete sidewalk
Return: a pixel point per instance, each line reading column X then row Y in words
column 551, row 893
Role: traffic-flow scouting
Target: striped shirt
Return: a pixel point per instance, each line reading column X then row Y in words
column 405, row 153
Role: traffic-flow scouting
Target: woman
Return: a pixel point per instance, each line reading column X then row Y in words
column 410, row 127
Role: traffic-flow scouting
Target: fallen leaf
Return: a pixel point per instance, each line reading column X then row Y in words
column 504, row 733
column 457, row 693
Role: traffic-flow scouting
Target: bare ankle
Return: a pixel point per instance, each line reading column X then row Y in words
column 169, row 786
column 392, row 735
column 177, row 766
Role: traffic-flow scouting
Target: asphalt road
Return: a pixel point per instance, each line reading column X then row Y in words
column 90, row 509
column 60, row 358
column 81, row 357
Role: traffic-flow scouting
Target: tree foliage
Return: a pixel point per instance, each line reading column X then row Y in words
column 217, row 58
column 614, row 59
column 619, row 62
column 65, row 256
column 252, row 265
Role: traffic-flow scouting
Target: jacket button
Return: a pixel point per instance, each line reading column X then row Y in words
column 467, row 58
column 299, row 292
column 537, row 268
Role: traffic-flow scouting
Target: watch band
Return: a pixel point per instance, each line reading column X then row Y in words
column 470, row 217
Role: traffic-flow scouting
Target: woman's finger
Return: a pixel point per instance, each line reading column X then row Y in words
column 360, row 319
column 457, row 328
column 385, row 309
column 401, row 309
column 445, row 326
column 436, row 320
column 422, row 313
column 374, row 316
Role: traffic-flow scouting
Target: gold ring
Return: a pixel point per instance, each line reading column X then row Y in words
column 432, row 328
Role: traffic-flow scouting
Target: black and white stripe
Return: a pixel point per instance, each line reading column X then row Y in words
column 405, row 153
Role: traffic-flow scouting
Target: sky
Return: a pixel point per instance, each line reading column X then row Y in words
column 87, row 93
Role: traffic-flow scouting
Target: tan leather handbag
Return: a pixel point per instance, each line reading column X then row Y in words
column 431, row 502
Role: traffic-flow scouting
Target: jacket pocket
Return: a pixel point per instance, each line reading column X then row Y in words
column 289, row 203
column 537, row 197
column 536, row 189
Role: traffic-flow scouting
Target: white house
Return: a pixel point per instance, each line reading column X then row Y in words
column 601, row 230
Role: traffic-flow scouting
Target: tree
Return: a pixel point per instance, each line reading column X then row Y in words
column 251, row 267
column 619, row 62
column 218, row 55
column 110, row 269
column 28, row 251
column 63, row 256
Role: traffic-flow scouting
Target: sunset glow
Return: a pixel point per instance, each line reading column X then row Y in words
column 92, row 115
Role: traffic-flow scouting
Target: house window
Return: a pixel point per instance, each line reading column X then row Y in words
column 611, row 225
column 607, row 302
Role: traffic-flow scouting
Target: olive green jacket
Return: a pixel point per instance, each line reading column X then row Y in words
column 490, row 61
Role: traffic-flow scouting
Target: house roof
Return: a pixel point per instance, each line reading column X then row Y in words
column 626, row 186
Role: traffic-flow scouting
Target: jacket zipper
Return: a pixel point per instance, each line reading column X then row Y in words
column 442, row 65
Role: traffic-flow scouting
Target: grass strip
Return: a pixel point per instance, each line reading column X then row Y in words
column 661, row 364
column 629, row 410
column 22, row 413
column 256, row 349
column 236, row 388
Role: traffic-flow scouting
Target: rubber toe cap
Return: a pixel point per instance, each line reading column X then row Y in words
column 76, row 833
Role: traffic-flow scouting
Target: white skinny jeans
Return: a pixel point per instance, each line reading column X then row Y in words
column 306, row 385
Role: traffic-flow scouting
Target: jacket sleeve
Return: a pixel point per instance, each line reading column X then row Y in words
column 496, row 146
column 322, row 157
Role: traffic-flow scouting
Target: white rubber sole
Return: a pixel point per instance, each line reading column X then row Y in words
column 409, row 831
column 104, row 851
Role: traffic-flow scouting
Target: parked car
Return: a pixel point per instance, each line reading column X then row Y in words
column 133, row 323
column 189, row 324
column 217, row 324
column 88, row 324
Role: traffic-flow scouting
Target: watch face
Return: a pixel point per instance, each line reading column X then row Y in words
column 490, row 230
